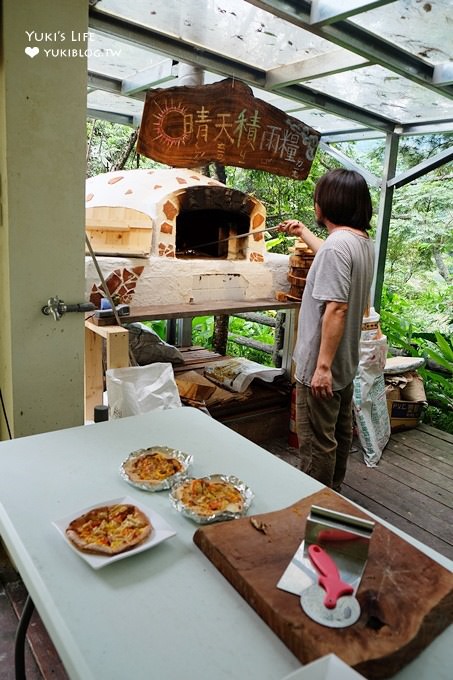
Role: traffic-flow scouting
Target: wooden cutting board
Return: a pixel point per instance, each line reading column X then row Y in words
column 406, row 598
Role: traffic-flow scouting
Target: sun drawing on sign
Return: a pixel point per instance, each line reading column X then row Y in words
column 171, row 124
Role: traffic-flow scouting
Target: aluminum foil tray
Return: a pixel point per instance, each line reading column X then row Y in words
column 184, row 458
column 215, row 516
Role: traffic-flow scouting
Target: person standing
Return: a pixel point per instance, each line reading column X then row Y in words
column 334, row 300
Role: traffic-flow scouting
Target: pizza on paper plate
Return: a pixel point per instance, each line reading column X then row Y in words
column 207, row 497
column 109, row 530
column 152, row 467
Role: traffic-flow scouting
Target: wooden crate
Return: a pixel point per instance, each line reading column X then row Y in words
column 119, row 231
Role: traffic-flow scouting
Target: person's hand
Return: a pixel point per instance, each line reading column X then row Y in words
column 321, row 383
column 291, row 227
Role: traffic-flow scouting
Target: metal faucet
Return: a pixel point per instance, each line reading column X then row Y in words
column 57, row 307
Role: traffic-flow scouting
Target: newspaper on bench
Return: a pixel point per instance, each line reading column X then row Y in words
column 236, row 374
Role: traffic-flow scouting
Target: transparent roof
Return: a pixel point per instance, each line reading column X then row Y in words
column 421, row 28
column 382, row 91
column 342, row 68
column 119, row 60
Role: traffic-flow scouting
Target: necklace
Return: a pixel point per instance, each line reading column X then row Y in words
column 358, row 232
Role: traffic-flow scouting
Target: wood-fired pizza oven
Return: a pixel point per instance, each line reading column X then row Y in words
column 172, row 213
column 169, row 236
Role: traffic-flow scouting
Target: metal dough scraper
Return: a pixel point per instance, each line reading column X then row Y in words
column 345, row 538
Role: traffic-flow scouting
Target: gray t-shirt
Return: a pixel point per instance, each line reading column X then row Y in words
column 342, row 271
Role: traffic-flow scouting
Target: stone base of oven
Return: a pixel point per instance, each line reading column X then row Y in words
column 182, row 281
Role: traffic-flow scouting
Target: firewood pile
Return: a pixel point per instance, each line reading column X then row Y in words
column 299, row 264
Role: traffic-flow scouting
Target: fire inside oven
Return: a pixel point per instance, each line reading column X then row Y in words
column 209, row 219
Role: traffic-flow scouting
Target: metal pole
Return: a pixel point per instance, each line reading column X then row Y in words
column 20, row 639
column 384, row 215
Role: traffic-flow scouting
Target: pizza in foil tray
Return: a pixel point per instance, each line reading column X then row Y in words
column 155, row 468
column 211, row 499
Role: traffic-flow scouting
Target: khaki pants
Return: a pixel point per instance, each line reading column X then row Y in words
column 324, row 430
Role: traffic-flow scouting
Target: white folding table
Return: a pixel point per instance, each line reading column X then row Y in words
column 166, row 613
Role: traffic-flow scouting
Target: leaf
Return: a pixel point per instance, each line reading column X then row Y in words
column 447, row 350
column 439, row 359
column 441, row 353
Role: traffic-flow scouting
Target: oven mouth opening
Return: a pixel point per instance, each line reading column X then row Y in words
column 201, row 233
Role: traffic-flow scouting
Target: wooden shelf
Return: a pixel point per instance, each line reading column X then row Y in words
column 117, row 343
column 181, row 311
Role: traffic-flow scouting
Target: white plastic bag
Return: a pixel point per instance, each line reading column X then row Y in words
column 370, row 402
column 141, row 389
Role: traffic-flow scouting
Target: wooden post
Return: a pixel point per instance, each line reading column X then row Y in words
column 117, row 350
column 220, row 340
column 279, row 338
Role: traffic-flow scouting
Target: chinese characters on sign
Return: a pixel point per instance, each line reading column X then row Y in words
column 224, row 122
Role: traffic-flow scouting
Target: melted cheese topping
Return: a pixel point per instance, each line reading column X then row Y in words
column 207, row 497
column 113, row 526
column 152, row 467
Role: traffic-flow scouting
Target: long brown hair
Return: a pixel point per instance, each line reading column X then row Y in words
column 344, row 198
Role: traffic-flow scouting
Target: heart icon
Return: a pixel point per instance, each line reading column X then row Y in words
column 32, row 51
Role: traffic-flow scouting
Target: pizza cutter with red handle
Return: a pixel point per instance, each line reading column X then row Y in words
column 330, row 602
column 330, row 578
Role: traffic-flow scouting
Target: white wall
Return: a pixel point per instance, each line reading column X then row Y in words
column 42, row 164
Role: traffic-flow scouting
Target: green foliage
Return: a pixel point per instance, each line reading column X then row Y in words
column 159, row 327
column 249, row 329
column 441, row 351
column 438, row 386
column 394, row 321
column 438, row 418
column 203, row 331
column 419, row 259
column 260, row 357
column 402, row 335
column 282, row 197
column 106, row 145
column 421, row 234
column 420, row 245
column 429, row 307
column 279, row 244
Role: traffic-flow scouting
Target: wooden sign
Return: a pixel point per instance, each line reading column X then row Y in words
column 188, row 126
